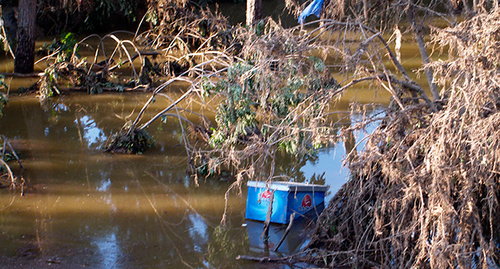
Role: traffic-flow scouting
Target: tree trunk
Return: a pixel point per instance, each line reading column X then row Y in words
column 365, row 9
column 25, row 52
column 466, row 6
column 254, row 11
column 417, row 30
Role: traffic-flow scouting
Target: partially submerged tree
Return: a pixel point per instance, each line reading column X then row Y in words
column 25, row 51
column 424, row 192
column 196, row 45
column 276, row 92
column 94, row 75
column 274, row 99
column 253, row 12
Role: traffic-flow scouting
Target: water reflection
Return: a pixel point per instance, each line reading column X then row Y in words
column 328, row 167
column 104, row 185
column 60, row 107
column 105, row 210
column 109, row 250
column 93, row 135
column 198, row 232
column 292, row 243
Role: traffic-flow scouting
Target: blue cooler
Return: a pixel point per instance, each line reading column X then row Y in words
column 289, row 197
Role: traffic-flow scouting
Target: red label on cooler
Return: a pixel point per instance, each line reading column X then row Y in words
column 266, row 195
column 307, row 201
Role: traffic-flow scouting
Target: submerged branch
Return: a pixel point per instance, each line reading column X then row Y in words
column 152, row 98
column 6, row 142
column 181, row 77
column 188, row 92
column 423, row 51
column 20, row 75
column 9, row 172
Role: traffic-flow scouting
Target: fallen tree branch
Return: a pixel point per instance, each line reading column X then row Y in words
column 265, row 232
column 9, row 172
column 108, row 89
column 388, row 78
column 166, row 109
column 288, row 228
column 417, row 31
column 262, row 259
column 6, row 142
column 133, row 57
column 19, row 75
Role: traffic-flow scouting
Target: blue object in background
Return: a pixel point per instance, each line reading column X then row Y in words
column 313, row 8
column 289, row 197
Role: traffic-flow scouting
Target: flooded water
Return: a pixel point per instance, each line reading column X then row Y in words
column 89, row 208
column 93, row 209
column 86, row 208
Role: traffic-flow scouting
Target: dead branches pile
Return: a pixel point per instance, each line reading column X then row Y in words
column 185, row 32
column 66, row 67
column 182, row 34
column 185, row 26
column 424, row 193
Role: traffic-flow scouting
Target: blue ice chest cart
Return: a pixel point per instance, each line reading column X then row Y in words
column 289, row 197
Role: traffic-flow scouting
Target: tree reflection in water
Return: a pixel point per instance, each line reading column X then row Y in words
column 104, row 210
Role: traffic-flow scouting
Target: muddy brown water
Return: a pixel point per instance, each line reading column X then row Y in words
column 91, row 209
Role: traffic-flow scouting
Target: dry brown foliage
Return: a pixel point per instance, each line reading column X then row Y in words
column 424, row 192
column 184, row 27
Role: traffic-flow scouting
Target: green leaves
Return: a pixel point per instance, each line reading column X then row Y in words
column 274, row 99
column 152, row 16
column 68, row 43
column 317, row 63
column 63, row 47
column 258, row 95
